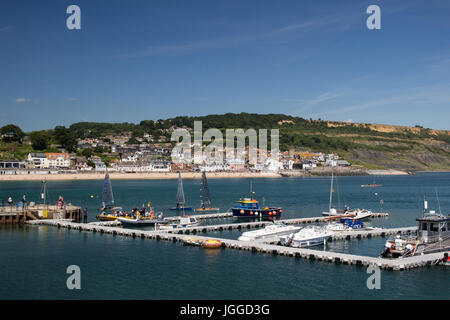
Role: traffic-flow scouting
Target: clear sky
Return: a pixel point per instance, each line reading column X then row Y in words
column 135, row 60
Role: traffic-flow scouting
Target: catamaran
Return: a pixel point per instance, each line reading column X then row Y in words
column 108, row 211
column 205, row 199
column 180, row 206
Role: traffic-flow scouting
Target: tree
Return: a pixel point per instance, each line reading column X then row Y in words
column 40, row 140
column 11, row 133
column 65, row 138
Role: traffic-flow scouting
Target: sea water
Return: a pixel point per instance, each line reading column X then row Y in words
column 34, row 259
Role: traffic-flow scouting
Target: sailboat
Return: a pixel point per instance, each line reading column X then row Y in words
column 180, row 196
column 205, row 199
column 109, row 211
column 332, row 211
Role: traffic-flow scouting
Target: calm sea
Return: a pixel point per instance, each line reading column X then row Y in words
column 33, row 259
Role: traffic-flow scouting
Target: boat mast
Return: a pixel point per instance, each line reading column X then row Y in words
column 205, row 199
column 331, row 190
column 180, row 193
column 44, row 191
column 251, row 190
column 107, row 196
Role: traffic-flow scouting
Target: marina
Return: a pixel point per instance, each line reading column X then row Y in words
column 214, row 240
column 263, row 247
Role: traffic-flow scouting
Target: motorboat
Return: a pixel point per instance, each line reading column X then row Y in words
column 433, row 235
column 184, row 222
column 142, row 221
column 275, row 229
column 344, row 224
column 307, row 237
column 360, row 214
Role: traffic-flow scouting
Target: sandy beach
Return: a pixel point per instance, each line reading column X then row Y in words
column 134, row 176
column 186, row 175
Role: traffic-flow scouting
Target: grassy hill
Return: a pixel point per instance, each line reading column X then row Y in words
column 374, row 146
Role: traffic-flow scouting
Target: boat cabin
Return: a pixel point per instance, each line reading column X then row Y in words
column 433, row 227
column 247, row 203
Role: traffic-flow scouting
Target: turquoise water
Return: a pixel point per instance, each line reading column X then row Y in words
column 33, row 259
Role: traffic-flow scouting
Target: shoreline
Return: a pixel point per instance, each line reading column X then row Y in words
column 195, row 175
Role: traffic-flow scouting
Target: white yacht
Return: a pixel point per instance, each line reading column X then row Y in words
column 183, row 223
column 360, row 214
column 276, row 229
column 307, row 237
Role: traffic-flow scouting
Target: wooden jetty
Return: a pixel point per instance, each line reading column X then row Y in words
column 15, row 214
column 261, row 247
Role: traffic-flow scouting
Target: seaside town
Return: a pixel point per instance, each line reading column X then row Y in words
column 145, row 156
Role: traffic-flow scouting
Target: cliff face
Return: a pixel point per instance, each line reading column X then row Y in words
column 389, row 128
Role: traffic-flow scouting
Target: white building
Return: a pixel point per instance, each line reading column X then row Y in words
column 49, row 160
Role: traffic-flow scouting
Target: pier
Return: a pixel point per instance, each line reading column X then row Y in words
column 16, row 214
column 266, row 248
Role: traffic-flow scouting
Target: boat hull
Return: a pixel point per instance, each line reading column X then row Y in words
column 140, row 222
column 106, row 217
column 206, row 209
column 249, row 213
column 182, row 208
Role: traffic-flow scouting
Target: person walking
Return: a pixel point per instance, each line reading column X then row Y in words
column 85, row 215
column 10, row 201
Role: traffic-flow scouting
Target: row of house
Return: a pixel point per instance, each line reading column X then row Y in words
column 49, row 160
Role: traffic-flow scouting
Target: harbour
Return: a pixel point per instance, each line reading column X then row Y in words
column 265, row 246
column 350, row 252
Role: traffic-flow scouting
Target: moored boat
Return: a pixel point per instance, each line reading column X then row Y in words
column 205, row 198
column 307, row 237
column 185, row 222
column 276, row 229
column 109, row 212
column 249, row 208
column 433, row 235
column 181, row 202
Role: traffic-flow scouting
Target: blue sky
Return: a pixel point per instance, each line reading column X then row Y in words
column 135, row 60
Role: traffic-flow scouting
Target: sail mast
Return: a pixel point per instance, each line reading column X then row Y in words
column 331, row 189
column 107, row 196
column 205, row 199
column 180, row 192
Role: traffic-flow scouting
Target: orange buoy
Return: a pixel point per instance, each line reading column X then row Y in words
column 251, row 213
column 212, row 244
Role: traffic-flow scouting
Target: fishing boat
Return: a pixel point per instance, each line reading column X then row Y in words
column 180, row 206
column 205, row 199
column 109, row 212
column 307, row 237
column 433, row 235
column 276, row 229
column 184, row 222
column 249, row 208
